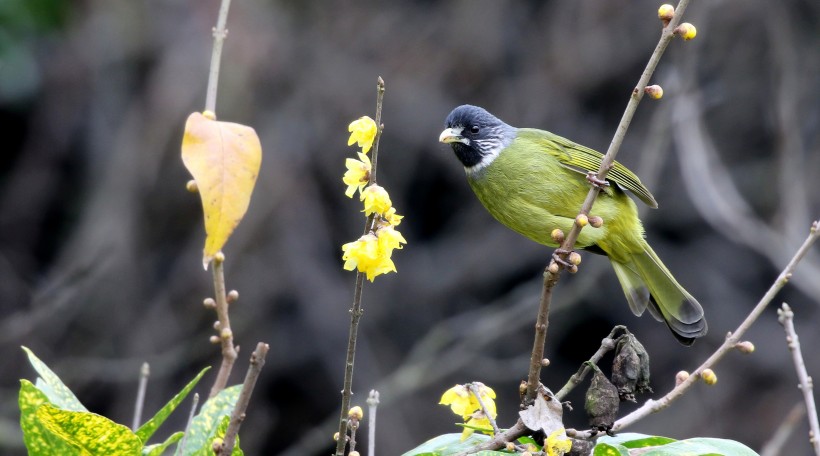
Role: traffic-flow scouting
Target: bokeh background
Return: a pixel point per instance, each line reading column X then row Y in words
column 100, row 244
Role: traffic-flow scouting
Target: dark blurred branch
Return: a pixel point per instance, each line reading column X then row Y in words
column 356, row 309
column 552, row 272
column 652, row 406
column 782, row 434
column 229, row 352
column 238, row 414
column 607, row 344
column 786, row 318
column 220, row 33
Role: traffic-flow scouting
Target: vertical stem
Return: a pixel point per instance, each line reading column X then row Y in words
column 373, row 403
column 238, row 414
column 356, row 309
column 541, row 325
column 220, row 33
column 229, row 352
column 145, row 372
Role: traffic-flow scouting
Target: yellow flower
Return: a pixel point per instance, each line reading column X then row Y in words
column 376, row 200
column 391, row 217
column 463, row 402
column 478, row 421
column 557, row 444
column 365, row 255
column 389, row 238
column 357, row 174
column 362, row 131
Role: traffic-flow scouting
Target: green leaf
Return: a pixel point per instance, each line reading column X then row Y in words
column 702, row 447
column 449, row 444
column 39, row 441
column 206, row 423
column 156, row 450
column 147, row 430
column 605, row 449
column 223, row 428
column 636, row 440
column 58, row 394
column 88, row 433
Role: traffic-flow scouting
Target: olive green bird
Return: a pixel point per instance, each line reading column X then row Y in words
column 533, row 181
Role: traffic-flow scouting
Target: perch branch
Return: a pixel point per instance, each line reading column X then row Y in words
column 238, row 414
column 229, row 352
column 220, row 33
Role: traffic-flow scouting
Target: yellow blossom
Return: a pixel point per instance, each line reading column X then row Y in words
column 390, row 238
column 362, row 131
column 365, row 255
column 463, row 402
column 376, row 200
column 557, row 444
column 357, row 174
column 480, row 421
column 391, row 217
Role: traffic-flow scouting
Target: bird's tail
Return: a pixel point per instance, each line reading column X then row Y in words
column 648, row 284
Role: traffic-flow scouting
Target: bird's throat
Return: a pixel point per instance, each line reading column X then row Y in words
column 467, row 155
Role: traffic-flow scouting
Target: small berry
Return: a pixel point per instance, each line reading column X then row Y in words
column 686, row 31
column 666, row 12
column 681, row 377
column 655, row 92
column 596, row 221
column 191, row 186
column 557, row 236
column 708, row 376
column 582, row 220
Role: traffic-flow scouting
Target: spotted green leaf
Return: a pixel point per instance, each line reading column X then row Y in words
column 87, row 433
column 205, row 424
column 450, row 444
column 38, row 440
column 605, row 449
column 147, row 430
column 50, row 384
column 222, row 429
column 156, row 450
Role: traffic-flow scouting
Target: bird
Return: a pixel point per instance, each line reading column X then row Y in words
column 534, row 181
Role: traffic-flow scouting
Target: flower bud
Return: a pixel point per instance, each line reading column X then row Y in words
column 219, row 257
column 214, row 340
column 582, row 220
column 510, row 446
column 545, row 362
column 596, row 221
column 557, row 236
column 336, row 437
column 210, row 115
column 708, row 376
column 232, row 296
column 681, row 377
column 355, row 413
column 353, row 453
column 554, row 268
column 226, row 333
column 686, row 31
column 745, row 347
column 209, row 303
column 572, row 269
column 654, row 92
column 574, row 258
column 666, row 12
column 216, row 443
column 191, row 186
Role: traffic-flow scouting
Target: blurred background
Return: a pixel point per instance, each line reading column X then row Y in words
column 100, row 244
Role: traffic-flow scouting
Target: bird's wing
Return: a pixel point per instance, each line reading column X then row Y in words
column 583, row 160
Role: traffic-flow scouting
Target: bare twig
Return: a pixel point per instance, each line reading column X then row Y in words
column 220, row 33
column 194, row 404
column 607, row 344
column 652, row 406
column 229, row 352
column 238, row 414
column 551, row 278
column 781, row 435
column 145, row 372
column 786, row 318
column 475, row 391
column 373, row 404
column 356, row 308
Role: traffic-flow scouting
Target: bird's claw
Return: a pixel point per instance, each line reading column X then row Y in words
column 592, row 178
column 558, row 256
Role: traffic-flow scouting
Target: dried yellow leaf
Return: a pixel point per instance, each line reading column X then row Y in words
column 224, row 159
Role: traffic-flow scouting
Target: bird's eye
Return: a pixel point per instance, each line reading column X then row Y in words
column 474, row 129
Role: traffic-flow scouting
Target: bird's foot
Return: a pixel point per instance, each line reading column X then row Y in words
column 600, row 184
column 559, row 256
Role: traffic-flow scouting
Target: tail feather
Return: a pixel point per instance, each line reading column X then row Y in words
column 647, row 284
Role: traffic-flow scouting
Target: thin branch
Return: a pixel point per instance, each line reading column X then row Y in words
column 373, row 404
column 220, row 33
column 474, row 390
column 194, row 404
column 238, row 414
column 607, row 344
column 786, row 318
column 229, row 352
column 356, row 309
column 145, row 372
column 551, row 278
column 783, row 432
column 652, row 406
